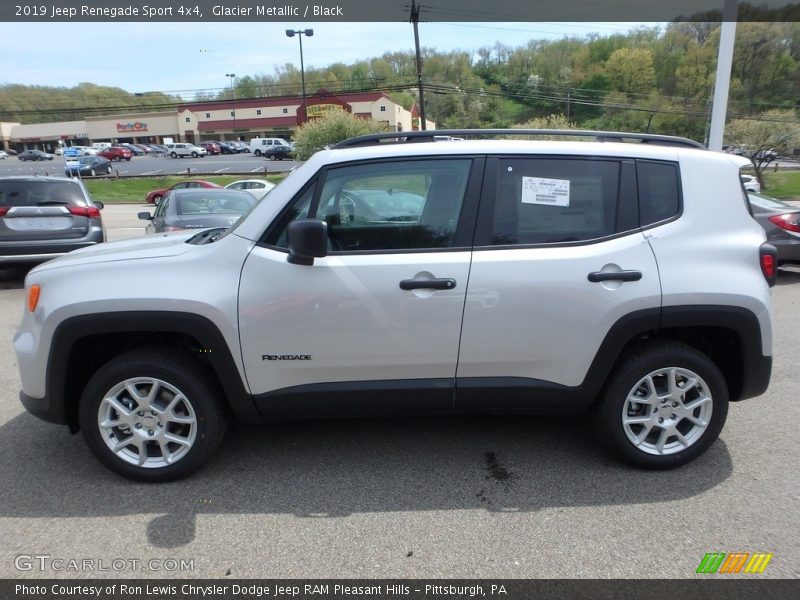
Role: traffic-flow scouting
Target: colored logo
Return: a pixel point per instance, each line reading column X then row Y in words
column 137, row 126
column 735, row 562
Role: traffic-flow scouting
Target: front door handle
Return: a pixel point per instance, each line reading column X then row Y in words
column 427, row 284
column 597, row 276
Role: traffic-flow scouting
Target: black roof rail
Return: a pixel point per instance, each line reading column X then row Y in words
column 401, row 137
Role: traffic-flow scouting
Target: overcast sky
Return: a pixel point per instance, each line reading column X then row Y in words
column 183, row 58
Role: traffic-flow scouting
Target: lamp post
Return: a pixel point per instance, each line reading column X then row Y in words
column 300, row 33
column 233, row 102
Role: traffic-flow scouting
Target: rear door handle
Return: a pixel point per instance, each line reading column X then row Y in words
column 427, row 284
column 597, row 276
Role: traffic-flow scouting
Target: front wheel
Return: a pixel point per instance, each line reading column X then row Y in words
column 152, row 414
column 663, row 407
column 173, row 154
column 194, row 154
column 94, row 173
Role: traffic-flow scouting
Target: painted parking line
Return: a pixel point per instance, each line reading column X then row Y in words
column 152, row 172
column 221, row 170
column 258, row 169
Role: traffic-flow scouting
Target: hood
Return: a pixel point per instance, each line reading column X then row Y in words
column 155, row 246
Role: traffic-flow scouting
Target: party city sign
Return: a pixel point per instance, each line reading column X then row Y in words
column 135, row 126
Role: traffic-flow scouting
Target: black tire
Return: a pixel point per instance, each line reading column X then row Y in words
column 194, row 154
column 177, row 368
column 258, row 153
column 108, row 170
column 127, row 158
column 272, row 157
column 173, row 154
column 638, row 363
column 94, row 173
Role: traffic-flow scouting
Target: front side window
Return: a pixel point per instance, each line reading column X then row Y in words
column 548, row 201
column 408, row 205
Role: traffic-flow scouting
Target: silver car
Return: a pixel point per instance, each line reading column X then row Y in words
column 781, row 221
column 45, row 217
column 197, row 208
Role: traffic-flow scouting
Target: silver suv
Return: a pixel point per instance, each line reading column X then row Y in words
column 45, row 217
column 385, row 277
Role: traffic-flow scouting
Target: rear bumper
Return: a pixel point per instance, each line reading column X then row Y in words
column 788, row 250
column 756, row 376
column 40, row 251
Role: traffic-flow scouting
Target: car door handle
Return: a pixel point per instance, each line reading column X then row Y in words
column 427, row 284
column 596, row 276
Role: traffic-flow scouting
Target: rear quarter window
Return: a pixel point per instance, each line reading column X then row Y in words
column 659, row 191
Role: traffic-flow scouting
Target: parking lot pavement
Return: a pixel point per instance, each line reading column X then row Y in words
column 498, row 497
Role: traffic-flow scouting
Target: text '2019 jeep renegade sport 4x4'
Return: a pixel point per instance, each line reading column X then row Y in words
column 405, row 278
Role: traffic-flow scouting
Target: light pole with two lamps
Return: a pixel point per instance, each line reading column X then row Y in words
column 233, row 103
column 300, row 33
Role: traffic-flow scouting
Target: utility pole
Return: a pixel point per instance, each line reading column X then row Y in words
column 415, row 21
column 723, row 80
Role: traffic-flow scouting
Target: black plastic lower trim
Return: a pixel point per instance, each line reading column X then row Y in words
column 43, row 408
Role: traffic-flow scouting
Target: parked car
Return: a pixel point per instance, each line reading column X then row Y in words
column 781, row 221
column 34, row 155
column 89, row 165
column 155, row 196
column 3, row 154
column 258, row 187
column 211, row 147
column 259, row 146
column 185, row 149
column 228, row 148
column 241, row 147
column 134, row 150
column 750, row 183
column 628, row 279
column 277, row 152
column 45, row 217
column 86, row 150
column 117, row 153
column 197, row 209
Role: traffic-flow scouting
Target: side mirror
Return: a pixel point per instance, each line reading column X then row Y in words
column 308, row 239
column 145, row 216
column 99, row 204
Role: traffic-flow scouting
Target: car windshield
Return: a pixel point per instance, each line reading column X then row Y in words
column 214, row 202
column 763, row 201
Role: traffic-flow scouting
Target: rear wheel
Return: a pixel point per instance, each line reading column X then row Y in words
column 153, row 414
column 663, row 407
column 258, row 153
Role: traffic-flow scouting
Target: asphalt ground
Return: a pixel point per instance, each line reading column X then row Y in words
column 497, row 497
column 221, row 164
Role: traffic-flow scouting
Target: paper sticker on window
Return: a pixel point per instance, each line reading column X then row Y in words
column 541, row 190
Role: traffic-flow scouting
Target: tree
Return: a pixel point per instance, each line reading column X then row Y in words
column 761, row 139
column 631, row 71
column 332, row 128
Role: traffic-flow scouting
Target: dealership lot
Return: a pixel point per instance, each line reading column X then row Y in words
column 497, row 497
column 221, row 164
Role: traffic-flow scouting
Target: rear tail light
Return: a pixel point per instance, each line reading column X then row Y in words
column 170, row 228
column 787, row 221
column 85, row 211
column 4, row 210
column 769, row 263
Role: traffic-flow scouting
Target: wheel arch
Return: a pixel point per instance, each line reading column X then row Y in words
column 82, row 344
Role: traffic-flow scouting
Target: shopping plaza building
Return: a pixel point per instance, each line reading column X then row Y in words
column 213, row 120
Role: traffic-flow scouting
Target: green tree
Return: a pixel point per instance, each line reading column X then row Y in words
column 334, row 127
column 631, row 71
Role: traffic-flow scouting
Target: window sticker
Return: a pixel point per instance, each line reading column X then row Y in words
column 541, row 190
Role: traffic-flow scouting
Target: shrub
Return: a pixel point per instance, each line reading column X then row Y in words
column 332, row 128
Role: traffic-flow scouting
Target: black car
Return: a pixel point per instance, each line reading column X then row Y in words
column 34, row 155
column 197, row 208
column 89, row 165
column 227, row 148
column 278, row 152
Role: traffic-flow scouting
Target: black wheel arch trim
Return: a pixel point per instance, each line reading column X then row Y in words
column 60, row 406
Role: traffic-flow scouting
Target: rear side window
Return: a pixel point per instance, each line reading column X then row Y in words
column 39, row 193
column 544, row 200
column 659, row 191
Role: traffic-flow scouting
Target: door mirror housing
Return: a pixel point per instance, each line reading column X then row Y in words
column 308, row 239
column 145, row 216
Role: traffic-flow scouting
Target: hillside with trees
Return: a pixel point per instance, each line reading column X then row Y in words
column 651, row 79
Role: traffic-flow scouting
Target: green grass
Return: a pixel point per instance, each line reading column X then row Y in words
column 134, row 189
column 783, row 184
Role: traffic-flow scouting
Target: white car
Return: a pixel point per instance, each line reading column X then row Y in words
column 389, row 278
column 182, row 149
column 750, row 183
column 3, row 154
column 258, row 187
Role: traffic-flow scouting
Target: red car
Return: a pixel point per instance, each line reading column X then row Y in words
column 156, row 195
column 116, row 153
column 211, row 147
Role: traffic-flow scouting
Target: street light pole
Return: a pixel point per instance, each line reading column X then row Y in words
column 233, row 101
column 300, row 33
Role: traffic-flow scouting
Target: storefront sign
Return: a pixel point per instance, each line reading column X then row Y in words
column 135, row 126
column 318, row 110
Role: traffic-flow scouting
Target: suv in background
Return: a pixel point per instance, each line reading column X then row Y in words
column 211, row 147
column 45, row 217
column 382, row 277
column 184, row 149
column 117, row 153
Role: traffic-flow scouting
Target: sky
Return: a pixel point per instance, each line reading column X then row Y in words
column 183, row 58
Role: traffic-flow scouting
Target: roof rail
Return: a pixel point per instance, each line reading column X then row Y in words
column 401, row 137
